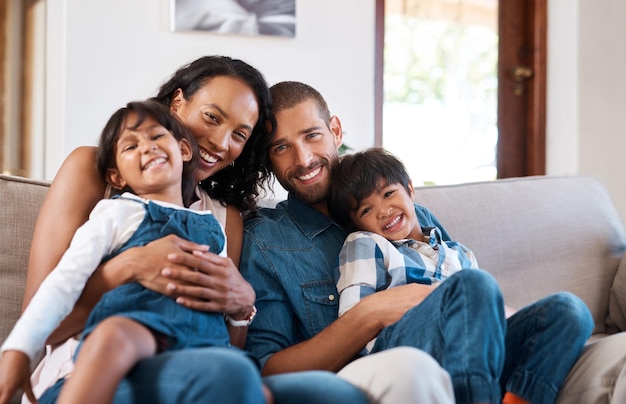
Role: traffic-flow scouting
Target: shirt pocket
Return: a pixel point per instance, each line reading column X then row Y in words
column 321, row 304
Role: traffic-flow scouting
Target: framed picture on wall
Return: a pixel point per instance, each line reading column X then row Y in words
column 243, row 17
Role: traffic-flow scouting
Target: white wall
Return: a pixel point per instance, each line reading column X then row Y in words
column 602, row 95
column 586, row 127
column 562, row 91
column 102, row 54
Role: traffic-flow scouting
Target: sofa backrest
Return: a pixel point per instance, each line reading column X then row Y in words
column 537, row 235
column 20, row 200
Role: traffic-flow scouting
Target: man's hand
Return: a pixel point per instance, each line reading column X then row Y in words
column 214, row 284
column 15, row 373
column 388, row 306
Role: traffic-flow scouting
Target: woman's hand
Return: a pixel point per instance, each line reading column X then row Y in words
column 207, row 282
column 146, row 263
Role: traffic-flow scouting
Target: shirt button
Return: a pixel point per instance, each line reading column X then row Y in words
column 331, row 297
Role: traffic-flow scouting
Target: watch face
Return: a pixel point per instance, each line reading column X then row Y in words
column 252, row 315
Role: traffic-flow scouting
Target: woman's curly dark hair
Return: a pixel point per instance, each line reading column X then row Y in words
column 241, row 183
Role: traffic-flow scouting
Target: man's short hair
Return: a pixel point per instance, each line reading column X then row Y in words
column 288, row 94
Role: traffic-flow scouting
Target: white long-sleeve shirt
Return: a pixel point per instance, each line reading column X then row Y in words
column 111, row 223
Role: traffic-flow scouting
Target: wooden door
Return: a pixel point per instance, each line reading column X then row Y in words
column 522, row 88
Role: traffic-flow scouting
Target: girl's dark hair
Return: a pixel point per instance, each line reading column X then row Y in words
column 238, row 184
column 357, row 176
column 143, row 109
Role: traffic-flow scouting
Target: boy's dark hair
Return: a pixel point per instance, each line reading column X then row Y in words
column 143, row 109
column 238, row 184
column 357, row 176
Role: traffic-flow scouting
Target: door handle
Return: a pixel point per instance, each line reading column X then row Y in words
column 520, row 74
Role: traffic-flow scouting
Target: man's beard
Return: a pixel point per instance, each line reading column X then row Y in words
column 312, row 194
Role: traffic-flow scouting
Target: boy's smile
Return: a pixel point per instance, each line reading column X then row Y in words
column 388, row 211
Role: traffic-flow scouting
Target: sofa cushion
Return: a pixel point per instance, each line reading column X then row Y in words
column 20, row 199
column 537, row 235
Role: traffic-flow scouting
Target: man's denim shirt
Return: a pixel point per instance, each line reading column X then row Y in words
column 289, row 254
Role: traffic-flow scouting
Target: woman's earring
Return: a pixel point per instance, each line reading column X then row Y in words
column 232, row 163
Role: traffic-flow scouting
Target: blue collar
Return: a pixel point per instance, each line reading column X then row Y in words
column 310, row 221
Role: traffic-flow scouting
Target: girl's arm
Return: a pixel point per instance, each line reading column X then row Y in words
column 74, row 192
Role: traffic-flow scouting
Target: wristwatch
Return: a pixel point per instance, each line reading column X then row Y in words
column 242, row 323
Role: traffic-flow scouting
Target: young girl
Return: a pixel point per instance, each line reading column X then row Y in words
column 147, row 153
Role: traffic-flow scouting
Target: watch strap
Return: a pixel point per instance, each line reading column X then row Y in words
column 242, row 323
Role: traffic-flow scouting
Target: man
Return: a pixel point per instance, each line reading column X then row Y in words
column 291, row 252
column 290, row 255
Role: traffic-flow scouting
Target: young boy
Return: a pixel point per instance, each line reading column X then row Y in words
column 460, row 321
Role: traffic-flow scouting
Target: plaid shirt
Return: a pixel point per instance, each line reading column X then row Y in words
column 370, row 263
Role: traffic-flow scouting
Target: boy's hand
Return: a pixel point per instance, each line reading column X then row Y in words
column 15, row 374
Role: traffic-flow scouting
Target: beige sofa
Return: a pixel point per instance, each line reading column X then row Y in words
column 537, row 235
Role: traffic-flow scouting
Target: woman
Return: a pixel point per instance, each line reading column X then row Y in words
column 224, row 102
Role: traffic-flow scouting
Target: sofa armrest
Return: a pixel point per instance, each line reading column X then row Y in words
column 20, row 200
column 616, row 320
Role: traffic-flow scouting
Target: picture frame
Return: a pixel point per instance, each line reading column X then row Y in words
column 235, row 17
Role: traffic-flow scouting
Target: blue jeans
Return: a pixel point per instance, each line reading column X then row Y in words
column 543, row 341
column 220, row 375
column 462, row 325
